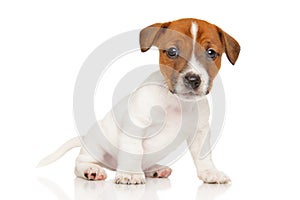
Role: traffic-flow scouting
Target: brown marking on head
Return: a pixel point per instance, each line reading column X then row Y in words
column 178, row 34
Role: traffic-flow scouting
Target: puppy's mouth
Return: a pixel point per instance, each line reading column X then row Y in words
column 190, row 95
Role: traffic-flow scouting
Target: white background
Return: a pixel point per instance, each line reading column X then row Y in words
column 43, row 45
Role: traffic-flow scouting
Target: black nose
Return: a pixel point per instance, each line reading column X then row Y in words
column 192, row 80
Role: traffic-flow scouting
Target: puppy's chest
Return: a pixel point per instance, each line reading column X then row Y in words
column 185, row 114
column 177, row 124
column 178, row 112
column 172, row 120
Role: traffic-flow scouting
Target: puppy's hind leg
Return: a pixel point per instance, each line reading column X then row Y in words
column 88, row 168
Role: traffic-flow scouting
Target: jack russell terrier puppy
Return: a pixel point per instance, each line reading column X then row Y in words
column 190, row 52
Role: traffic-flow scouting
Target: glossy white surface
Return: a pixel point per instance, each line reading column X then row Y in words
column 107, row 190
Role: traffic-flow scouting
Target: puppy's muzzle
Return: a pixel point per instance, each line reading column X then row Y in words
column 192, row 81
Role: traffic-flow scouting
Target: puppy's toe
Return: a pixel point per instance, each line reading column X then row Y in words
column 213, row 176
column 161, row 173
column 129, row 178
column 95, row 173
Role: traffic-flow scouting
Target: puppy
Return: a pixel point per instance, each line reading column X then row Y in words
column 190, row 52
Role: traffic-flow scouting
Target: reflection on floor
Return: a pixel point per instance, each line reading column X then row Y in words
column 107, row 190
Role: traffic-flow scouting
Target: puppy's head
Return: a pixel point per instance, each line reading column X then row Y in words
column 190, row 54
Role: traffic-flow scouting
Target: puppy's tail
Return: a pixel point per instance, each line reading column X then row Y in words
column 72, row 143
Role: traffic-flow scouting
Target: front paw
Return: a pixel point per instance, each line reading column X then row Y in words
column 130, row 178
column 213, row 176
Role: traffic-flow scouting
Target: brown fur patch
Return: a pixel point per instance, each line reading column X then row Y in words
column 177, row 34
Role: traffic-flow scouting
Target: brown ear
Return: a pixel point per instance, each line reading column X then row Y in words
column 232, row 47
column 149, row 35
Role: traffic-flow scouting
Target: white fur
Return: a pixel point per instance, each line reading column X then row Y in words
column 74, row 142
column 195, row 67
column 194, row 31
column 132, row 172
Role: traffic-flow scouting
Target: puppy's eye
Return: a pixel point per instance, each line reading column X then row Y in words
column 172, row 52
column 211, row 53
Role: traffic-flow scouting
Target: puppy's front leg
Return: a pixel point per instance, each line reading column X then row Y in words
column 130, row 157
column 206, row 170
